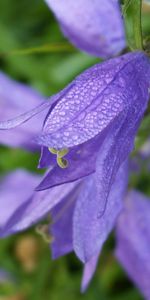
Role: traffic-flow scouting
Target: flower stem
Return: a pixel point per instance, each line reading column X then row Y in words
column 137, row 28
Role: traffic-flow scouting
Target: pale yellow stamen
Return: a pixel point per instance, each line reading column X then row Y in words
column 61, row 153
column 43, row 230
column 53, row 150
column 61, row 161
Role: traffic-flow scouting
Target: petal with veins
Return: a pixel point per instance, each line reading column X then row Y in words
column 90, row 230
column 97, row 97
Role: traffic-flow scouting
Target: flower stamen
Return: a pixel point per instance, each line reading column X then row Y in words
column 61, row 161
column 43, row 231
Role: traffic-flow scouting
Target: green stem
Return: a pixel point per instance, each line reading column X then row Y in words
column 137, row 28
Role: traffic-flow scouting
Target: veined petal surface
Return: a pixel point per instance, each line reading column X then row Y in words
column 97, row 97
column 62, row 223
column 90, row 228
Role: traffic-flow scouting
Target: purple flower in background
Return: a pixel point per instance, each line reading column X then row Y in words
column 144, row 151
column 5, row 277
column 95, row 27
column 133, row 240
column 15, row 98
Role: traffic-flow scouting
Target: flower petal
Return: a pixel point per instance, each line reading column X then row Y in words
column 47, row 159
column 133, row 240
column 13, row 193
column 96, row 29
column 97, row 97
column 90, row 230
column 26, row 131
column 89, row 270
column 15, row 98
column 62, row 224
column 12, row 123
column 115, row 149
column 21, row 206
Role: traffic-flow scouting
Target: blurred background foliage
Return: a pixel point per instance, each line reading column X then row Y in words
column 33, row 51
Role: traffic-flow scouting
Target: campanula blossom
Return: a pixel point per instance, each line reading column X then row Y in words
column 15, row 98
column 92, row 123
column 92, row 26
column 89, row 131
column 91, row 126
column 99, row 112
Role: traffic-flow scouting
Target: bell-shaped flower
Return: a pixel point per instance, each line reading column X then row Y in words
column 92, row 26
column 87, row 136
column 91, row 126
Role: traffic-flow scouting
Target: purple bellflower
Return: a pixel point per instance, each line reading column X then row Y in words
column 90, row 129
column 87, row 137
column 98, row 103
column 15, row 98
column 91, row 124
column 94, row 27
